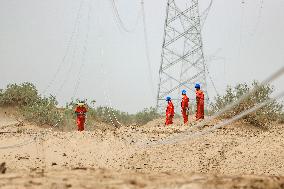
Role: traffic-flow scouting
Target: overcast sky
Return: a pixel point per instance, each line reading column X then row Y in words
column 246, row 40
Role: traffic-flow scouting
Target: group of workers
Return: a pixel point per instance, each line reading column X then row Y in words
column 170, row 112
column 81, row 109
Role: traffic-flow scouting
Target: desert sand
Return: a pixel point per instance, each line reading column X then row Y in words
column 237, row 156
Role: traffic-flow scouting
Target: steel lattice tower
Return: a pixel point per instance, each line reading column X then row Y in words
column 182, row 59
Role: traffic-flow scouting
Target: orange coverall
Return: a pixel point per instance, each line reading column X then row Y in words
column 81, row 117
column 184, row 108
column 170, row 112
column 200, row 105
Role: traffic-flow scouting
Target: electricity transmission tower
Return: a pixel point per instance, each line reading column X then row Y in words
column 182, row 59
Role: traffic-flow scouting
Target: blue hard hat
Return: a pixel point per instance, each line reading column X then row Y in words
column 168, row 98
column 183, row 92
column 197, row 86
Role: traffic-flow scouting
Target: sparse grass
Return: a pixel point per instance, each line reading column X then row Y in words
column 263, row 117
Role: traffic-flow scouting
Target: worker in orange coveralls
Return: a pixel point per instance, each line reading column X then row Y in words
column 81, row 111
column 184, row 106
column 170, row 112
column 199, row 103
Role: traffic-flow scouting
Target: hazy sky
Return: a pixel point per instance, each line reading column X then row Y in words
column 245, row 38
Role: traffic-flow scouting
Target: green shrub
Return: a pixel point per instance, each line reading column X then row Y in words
column 43, row 111
column 19, row 95
column 33, row 107
column 264, row 116
column 110, row 116
column 145, row 116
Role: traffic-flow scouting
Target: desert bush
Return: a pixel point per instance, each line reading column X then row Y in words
column 43, row 111
column 106, row 114
column 110, row 116
column 146, row 115
column 33, row 107
column 263, row 117
column 18, row 95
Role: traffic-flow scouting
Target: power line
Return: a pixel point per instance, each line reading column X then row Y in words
column 121, row 25
column 211, row 80
column 241, row 29
column 108, row 99
column 75, row 36
column 205, row 14
column 72, row 61
column 119, row 21
column 258, row 18
column 85, row 48
column 147, row 47
column 208, row 59
column 110, row 112
column 60, row 66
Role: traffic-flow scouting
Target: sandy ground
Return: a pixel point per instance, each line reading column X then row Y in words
column 238, row 156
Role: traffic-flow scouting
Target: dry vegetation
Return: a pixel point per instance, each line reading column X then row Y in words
column 263, row 117
column 44, row 110
column 41, row 110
